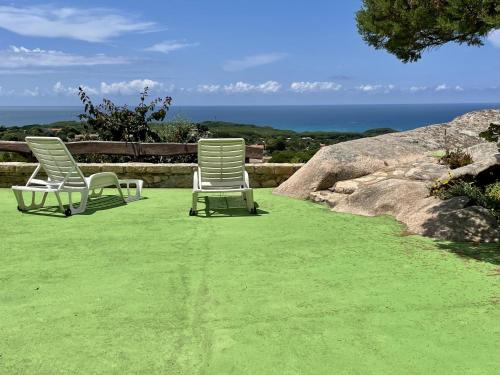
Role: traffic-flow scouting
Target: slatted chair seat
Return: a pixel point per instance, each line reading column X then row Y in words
column 221, row 169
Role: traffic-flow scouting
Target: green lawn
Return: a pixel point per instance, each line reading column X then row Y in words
column 146, row 289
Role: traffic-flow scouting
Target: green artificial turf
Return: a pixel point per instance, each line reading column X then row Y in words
column 146, row 289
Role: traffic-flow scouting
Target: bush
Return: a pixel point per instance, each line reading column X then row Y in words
column 493, row 191
column 466, row 189
column 487, row 197
column 11, row 156
column 456, row 158
column 180, row 130
column 120, row 123
column 492, row 134
column 290, row 156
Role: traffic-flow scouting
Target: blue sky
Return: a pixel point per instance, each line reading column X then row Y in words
column 226, row 52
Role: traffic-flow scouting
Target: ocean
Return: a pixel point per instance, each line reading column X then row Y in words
column 298, row 118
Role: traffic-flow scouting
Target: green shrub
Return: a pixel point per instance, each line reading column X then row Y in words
column 120, row 123
column 456, row 158
column 493, row 192
column 180, row 130
column 290, row 156
column 11, row 156
column 466, row 189
column 488, row 197
column 492, row 134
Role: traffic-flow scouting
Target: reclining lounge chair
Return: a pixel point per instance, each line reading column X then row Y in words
column 221, row 169
column 64, row 176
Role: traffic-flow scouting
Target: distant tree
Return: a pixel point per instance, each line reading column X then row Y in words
column 120, row 123
column 181, row 130
column 406, row 28
column 492, row 134
column 276, row 144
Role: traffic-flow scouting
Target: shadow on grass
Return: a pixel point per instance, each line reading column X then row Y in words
column 226, row 206
column 102, row 203
column 489, row 253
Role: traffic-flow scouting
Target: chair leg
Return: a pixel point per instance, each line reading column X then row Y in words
column 20, row 200
column 194, row 205
column 33, row 205
column 249, row 201
column 58, row 197
column 83, row 203
column 43, row 199
column 120, row 192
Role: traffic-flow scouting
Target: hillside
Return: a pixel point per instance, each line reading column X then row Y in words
column 281, row 145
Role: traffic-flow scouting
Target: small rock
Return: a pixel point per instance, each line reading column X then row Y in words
column 345, row 187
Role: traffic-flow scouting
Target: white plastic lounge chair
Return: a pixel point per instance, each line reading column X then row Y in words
column 64, row 175
column 221, row 169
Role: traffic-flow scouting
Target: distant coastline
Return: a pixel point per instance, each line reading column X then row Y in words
column 352, row 118
column 281, row 146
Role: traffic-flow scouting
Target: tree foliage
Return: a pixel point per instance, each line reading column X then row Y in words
column 120, row 123
column 406, row 28
column 181, row 130
column 492, row 134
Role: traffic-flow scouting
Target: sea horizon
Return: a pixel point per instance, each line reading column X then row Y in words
column 307, row 117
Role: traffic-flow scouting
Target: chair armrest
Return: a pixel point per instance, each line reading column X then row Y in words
column 196, row 182
column 247, row 180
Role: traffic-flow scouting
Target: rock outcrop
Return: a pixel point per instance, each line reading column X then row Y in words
column 391, row 175
column 348, row 160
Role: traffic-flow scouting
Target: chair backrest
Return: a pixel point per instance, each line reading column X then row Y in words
column 56, row 161
column 221, row 162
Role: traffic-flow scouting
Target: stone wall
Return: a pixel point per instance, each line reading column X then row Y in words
column 155, row 175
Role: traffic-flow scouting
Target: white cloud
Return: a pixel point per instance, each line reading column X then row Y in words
column 21, row 57
column 418, row 88
column 59, row 88
column 376, row 88
column 4, row 92
column 368, row 88
column 169, row 46
column 442, row 87
column 314, row 86
column 34, row 92
column 208, row 88
column 252, row 61
column 494, row 38
column 243, row 87
column 121, row 88
column 130, row 87
column 445, row 87
column 88, row 24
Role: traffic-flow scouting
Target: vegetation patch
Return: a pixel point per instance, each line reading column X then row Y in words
column 487, row 196
column 456, row 158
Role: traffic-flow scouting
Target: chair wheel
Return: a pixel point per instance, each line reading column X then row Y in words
column 192, row 212
column 67, row 212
